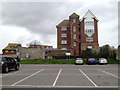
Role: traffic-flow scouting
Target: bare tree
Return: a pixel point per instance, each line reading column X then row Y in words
column 34, row 42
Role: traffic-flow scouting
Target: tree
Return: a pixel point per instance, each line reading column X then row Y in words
column 34, row 42
column 87, row 53
column 107, row 52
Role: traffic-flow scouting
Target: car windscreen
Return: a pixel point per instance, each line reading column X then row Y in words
column 79, row 59
column 102, row 58
column 91, row 59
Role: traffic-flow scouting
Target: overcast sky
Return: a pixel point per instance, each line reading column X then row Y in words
column 23, row 22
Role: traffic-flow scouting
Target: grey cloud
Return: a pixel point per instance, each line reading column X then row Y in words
column 41, row 18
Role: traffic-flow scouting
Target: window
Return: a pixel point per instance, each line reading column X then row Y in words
column 79, row 40
column 74, row 43
column 12, row 47
column 74, row 28
column 63, row 48
column 89, row 23
column 64, row 42
column 63, row 35
column 12, row 51
column 6, row 51
column 89, row 47
column 74, row 20
column 89, row 39
column 89, row 30
column 74, row 36
column 63, row 28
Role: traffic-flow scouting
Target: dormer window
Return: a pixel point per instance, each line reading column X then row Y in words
column 12, row 47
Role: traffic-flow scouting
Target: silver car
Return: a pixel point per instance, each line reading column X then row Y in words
column 79, row 61
column 102, row 61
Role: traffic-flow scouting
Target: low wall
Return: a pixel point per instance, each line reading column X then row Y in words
column 33, row 53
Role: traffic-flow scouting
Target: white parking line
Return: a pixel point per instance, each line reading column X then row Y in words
column 88, row 78
column 109, row 73
column 57, row 78
column 27, row 77
column 38, row 86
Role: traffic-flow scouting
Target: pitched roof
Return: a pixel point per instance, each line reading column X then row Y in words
column 64, row 23
column 89, row 12
column 11, row 44
column 74, row 14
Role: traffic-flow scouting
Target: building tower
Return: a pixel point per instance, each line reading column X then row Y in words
column 74, row 31
column 76, row 35
column 89, row 31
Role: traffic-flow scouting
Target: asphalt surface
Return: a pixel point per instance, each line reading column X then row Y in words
column 79, row 76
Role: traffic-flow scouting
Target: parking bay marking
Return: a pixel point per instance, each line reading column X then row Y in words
column 108, row 73
column 88, row 78
column 27, row 77
column 38, row 86
column 57, row 78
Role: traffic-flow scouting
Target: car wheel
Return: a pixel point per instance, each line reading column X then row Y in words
column 6, row 69
column 17, row 67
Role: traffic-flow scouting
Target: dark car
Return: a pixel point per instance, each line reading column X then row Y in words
column 7, row 63
column 91, row 61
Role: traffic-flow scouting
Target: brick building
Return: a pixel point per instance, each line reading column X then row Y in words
column 11, row 49
column 78, row 34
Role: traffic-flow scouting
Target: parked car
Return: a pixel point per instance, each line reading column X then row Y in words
column 7, row 63
column 102, row 61
column 79, row 61
column 91, row 61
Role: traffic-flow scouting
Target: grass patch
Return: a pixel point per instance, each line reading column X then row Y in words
column 60, row 61
column 113, row 61
column 48, row 61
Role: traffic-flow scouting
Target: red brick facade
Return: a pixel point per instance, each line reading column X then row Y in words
column 80, row 34
column 11, row 49
column 84, row 43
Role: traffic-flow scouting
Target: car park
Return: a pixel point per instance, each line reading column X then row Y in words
column 102, row 61
column 79, row 61
column 8, row 63
column 91, row 61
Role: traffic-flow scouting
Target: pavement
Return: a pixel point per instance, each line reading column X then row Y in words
column 62, row 76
